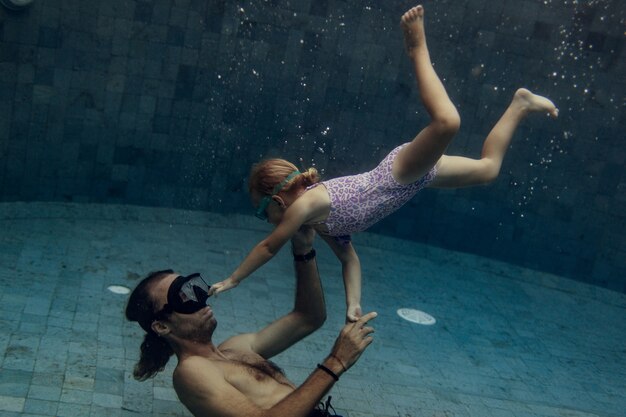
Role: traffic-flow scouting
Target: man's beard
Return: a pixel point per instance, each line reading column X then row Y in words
column 201, row 334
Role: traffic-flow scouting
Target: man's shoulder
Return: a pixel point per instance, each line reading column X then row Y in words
column 194, row 366
column 241, row 343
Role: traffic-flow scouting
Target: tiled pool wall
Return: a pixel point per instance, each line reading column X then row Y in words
column 167, row 103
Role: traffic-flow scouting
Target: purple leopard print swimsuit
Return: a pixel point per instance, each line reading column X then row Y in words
column 359, row 201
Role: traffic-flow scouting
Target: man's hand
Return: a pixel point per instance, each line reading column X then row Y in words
column 353, row 340
column 222, row 286
column 302, row 240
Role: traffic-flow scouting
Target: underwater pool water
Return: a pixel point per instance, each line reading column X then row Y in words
column 507, row 341
column 118, row 118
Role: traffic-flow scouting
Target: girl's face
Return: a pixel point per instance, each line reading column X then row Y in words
column 275, row 211
column 270, row 209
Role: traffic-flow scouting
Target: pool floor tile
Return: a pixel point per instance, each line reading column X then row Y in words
column 507, row 341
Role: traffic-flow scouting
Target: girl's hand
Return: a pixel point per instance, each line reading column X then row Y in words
column 354, row 313
column 222, row 286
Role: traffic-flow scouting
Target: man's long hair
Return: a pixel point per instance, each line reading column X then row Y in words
column 155, row 351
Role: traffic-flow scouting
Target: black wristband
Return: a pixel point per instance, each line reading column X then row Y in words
column 304, row 258
column 328, row 371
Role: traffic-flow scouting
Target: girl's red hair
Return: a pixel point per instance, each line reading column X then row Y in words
column 268, row 173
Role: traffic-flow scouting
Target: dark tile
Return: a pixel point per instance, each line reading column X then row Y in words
column 164, row 107
column 160, row 124
column 610, row 178
column 178, row 16
column 312, row 41
column 319, row 8
column 130, row 103
column 585, row 14
column 117, row 189
column 175, row 36
column 247, row 30
column 50, row 37
column 213, row 22
column 193, row 39
column 542, row 31
column 595, row 42
column 185, row 81
column 87, row 151
column 128, row 155
column 161, row 13
column 44, row 76
column 143, row 11
column 9, row 52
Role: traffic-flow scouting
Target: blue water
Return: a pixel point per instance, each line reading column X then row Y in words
column 168, row 104
column 507, row 341
column 118, row 118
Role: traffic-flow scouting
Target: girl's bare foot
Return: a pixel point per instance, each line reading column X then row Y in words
column 529, row 102
column 413, row 26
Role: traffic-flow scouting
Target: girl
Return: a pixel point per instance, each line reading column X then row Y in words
column 338, row 207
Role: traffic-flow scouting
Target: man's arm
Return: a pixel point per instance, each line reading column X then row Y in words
column 216, row 396
column 308, row 314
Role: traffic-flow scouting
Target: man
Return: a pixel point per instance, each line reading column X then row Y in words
column 235, row 377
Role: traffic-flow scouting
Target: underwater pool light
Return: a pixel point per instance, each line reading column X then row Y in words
column 16, row 4
column 118, row 289
column 416, row 316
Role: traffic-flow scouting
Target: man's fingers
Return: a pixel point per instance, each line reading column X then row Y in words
column 367, row 330
column 366, row 337
column 363, row 331
column 366, row 317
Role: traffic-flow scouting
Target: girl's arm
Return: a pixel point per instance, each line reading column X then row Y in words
column 351, row 270
column 295, row 216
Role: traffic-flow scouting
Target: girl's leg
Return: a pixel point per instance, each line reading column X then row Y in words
column 417, row 158
column 456, row 171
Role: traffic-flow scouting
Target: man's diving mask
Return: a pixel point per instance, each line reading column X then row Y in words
column 261, row 211
column 186, row 295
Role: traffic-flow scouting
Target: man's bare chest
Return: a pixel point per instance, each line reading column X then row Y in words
column 253, row 372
